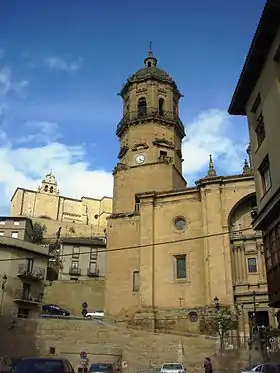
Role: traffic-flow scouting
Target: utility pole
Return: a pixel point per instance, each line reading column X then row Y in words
column 3, row 287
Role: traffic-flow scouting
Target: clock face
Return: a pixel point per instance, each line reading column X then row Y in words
column 140, row 159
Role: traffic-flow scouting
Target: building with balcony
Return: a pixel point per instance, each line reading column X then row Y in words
column 82, row 258
column 23, row 268
column 16, row 227
column 257, row 96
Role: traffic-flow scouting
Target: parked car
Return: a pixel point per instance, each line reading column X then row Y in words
column 265, row 368
column 54, row 309
column 172, row 368
column 99, row 314
column 103, row 368
column 42, row 365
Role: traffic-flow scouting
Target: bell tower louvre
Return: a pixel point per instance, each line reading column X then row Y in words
column 150, row 134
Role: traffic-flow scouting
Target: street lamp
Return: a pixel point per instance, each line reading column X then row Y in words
column 217, row 304
column 3, row 286
column 254, row 316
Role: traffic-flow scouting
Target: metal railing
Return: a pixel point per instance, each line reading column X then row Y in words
column 24, row 295
column 35, row 273
column 150, row 113
column 74, row 271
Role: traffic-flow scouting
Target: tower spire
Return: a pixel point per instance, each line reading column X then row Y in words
column 150, row 61
column 211, row 168
column 150, row 49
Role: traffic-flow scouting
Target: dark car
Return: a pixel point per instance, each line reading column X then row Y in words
column 42, row 365
column 54, row 309
column 103, row 368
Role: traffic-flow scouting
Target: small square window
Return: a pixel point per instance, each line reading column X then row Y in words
column 181, row 266
column 76, row 252
column 264, row 171
column 93, row 253
column 136, row 281
column 14, row 234
column 16, row 222
column 1, row 234
column 252, row 265
column 2, row 222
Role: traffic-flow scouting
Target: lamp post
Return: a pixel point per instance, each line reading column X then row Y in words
column 3, row 286
column 216, row 302
column 254, row 316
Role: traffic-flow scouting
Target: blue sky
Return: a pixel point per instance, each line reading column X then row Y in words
column 63, row 63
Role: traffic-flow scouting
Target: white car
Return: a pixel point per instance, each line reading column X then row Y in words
column 173, row 368
column 95, row 315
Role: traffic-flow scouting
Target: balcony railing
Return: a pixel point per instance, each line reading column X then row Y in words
column 93, row 272
column 35, row 273
column 74, row 271
column 22, row 295
column 150, row 113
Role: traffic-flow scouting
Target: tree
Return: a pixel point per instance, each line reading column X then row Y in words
column 223, row 321
column 38, row 233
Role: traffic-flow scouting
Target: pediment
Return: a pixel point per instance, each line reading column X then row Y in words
column 163, row 143
column 140, row 146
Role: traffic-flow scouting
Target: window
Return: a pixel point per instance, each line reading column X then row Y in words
column 30, row 264
column 46, row 188
column 16, row 222
column 260, row 129
column 162, row 155
column 51, row 189
column 149, row 64
column 142, row 106
column 160, row 106
column 74, row 265
column 93, row 253
column 14, row 234
column 2, row 222
column 1, row 234
column 181, row 268
column 23, row 313
column 136, row 281
column 137, row 204
column 180, row 223
column 252, row 265
column 76, row 252
column 264, row 171
column 92, row 268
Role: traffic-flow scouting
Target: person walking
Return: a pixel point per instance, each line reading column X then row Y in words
column 208, row 365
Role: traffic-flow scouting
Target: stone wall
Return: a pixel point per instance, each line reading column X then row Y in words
column 71, row 294
column 107, row 342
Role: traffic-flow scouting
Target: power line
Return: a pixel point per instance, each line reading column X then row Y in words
column 141, row 246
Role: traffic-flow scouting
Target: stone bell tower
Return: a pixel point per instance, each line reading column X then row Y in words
column 150, row 134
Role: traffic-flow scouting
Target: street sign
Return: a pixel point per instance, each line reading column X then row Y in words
column 83, row 355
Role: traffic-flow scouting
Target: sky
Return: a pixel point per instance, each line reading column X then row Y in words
column 62, row 64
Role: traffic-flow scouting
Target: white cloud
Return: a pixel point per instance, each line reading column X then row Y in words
column 210, row 133
column 8, row 84
column 44, row 132
column 25, row 167
column 57, row 62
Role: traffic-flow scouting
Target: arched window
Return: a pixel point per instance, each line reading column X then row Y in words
column 46, row 188
column 142, row 106
column 160, row 106
column 51, row 189
column 149, row 64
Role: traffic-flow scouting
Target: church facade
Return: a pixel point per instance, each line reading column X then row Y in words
column 173, row 248
column 85, row 217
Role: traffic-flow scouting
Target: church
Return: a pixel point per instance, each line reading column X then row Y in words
column 173, row 247
column 85, row 217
